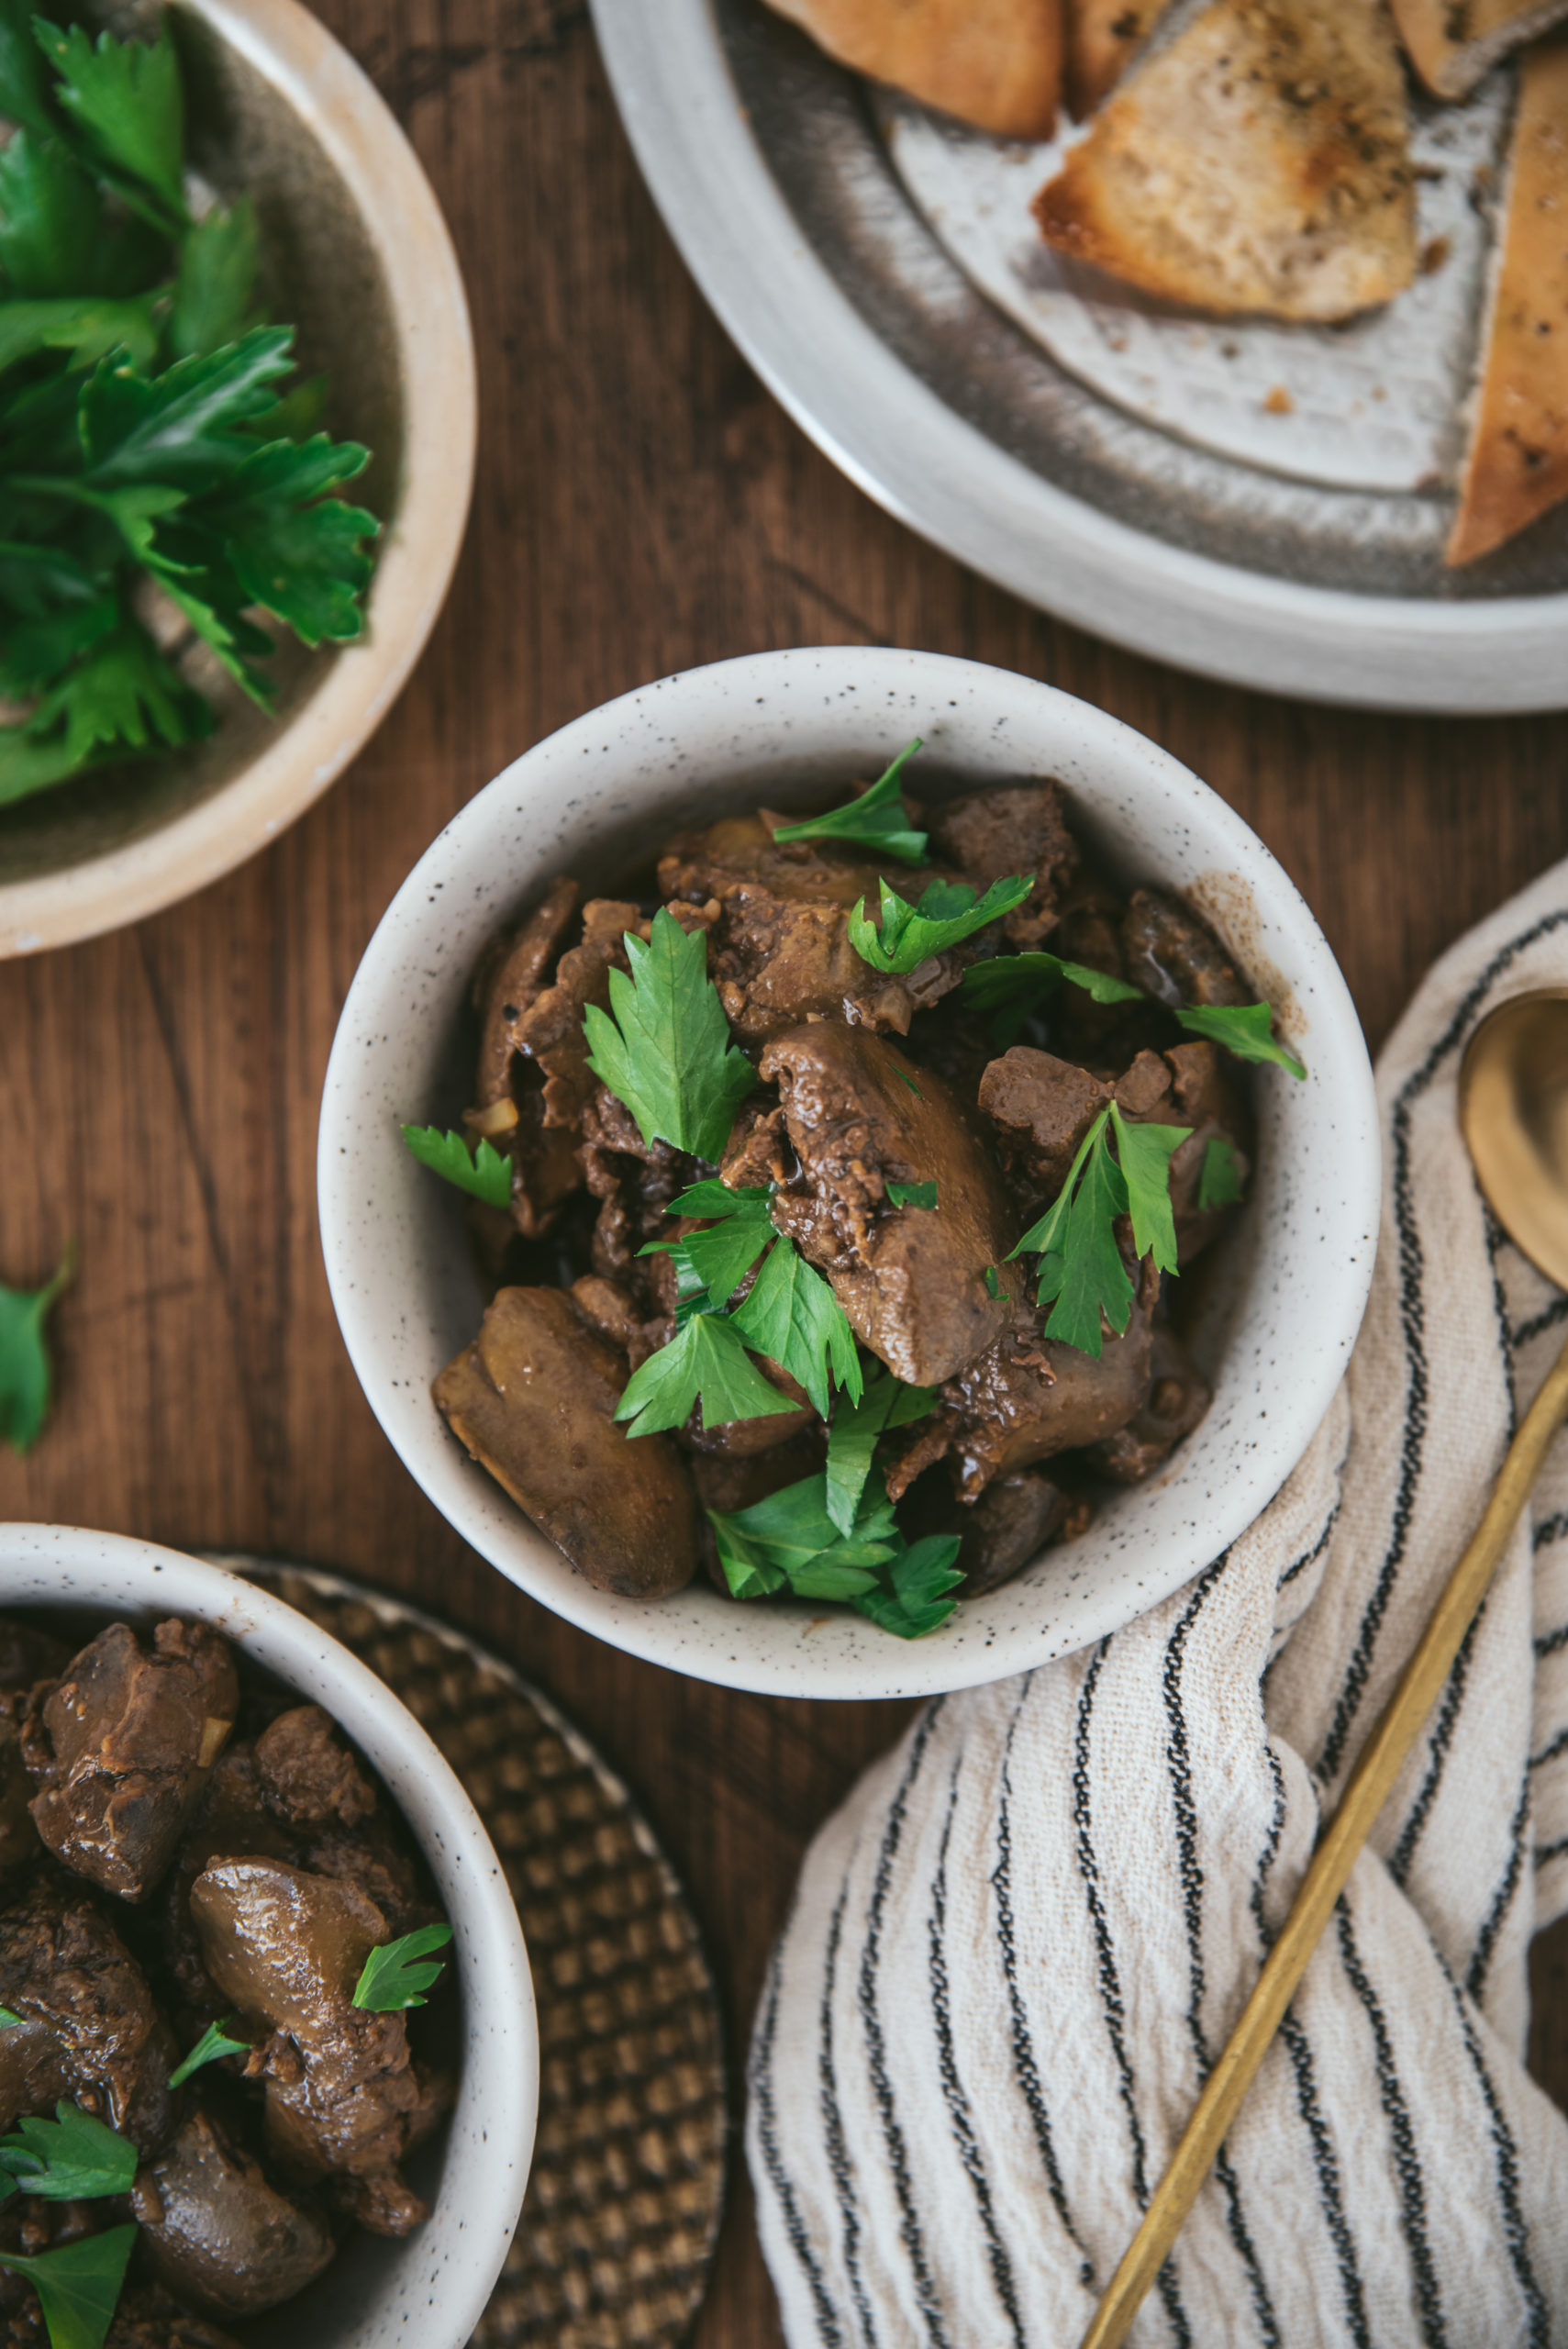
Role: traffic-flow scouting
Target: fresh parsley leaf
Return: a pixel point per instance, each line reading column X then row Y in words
column 707, row 1359
column 25, row 1378
column 886, row 1403
column 948, row 912
column 182, row 427
column 122, row 698
column 1144, row 1153
column 876, row 818
column 905, row 1078
column 9, row 2021
column 288, row 546
column 127, row 101
column 664, row 1048
column 1012, row 985
column 49, row 219
column 1081, row 1271
column 87, row 328
column 719, row 1259
column 217, row 277
column 921, row 1576
column 911, row 1195
column 792, row 1316
column 78, row 2284
column 391, row 1979
column 23, row 85
column 1245, row 1028
column 1219, row 1178
column 73, row 2158
column 994, row 1285
column 790, row 1538
column 213, row 2042
column 487, row 1174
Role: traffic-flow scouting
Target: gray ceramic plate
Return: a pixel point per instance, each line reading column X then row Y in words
column 778, row 175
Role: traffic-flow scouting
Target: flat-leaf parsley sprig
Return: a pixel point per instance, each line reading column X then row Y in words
column 1013, row 986
column 1081, row 1271
column 27, row 1377
column 485, row 1173
column 1244, row 1029
column 398, row 1973
column 948, row 912
column 73, row 2158
column 877, row 819
column 663, row 1047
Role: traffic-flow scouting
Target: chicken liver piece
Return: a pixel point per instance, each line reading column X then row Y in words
column 1022, row 829
column 286, row 1948
column 89, row 2027
column 219, row 2234
column 1174, row 956
column 534, row 1400
column 121, row 1746
column 912, row 1280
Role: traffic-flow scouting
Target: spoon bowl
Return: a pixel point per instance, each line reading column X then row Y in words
column 1513, row 1111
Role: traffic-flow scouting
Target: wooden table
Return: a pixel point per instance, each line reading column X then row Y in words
column 643, row 507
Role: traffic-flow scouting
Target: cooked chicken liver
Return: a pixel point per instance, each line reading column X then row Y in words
column 912, row 1280
column 1021, row 827
column 90, row 2029
column 121, row 1746
column 534, row 1399
column 288, row 1947
column 224, row 2238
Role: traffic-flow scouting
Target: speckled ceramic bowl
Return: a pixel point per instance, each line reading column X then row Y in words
column 356, row 255
column 1282, row 1304
column 433, row 2289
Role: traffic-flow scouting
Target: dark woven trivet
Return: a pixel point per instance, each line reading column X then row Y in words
column 624, row 2200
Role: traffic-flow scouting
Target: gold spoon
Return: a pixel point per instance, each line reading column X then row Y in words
column 1513, row 1111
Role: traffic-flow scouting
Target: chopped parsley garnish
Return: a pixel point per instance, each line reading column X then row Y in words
column 73, row 2158
column 717, row 1261
column 877, row 819
column 911, row 1195
column 1013, row 986
column 852, row 1439
column 487, row 1174
column 792, row 1316
column 26, row 1376
column 9, row 2021
column 705, row 1360
column 78, row 2284
column 994, row 1285
column 392, row 1977
column 663, row 1047
column 949, row 912
column 1244, row 1029
column 790, row 1541
column 1081, row 1272
column 144, row 445
column 214, row 2043
column 1219, row 1178
column 905, row 1078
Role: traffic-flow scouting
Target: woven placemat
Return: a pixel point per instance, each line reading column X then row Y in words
column 624, row 2198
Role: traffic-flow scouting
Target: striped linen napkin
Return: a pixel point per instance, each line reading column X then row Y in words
column 1019, row 1946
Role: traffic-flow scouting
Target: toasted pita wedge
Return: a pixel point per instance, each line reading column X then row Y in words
column 994, row 64
column 1517, row 462
column 1451, row 43
column 1103, row 38
column 1258, row 160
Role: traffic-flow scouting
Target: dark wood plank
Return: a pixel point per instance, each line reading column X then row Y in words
column 643, row 506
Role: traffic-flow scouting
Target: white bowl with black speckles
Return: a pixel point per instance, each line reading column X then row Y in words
column 1283, row 1305
column 431, row 2288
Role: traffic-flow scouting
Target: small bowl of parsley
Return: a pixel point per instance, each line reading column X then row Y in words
column 843, row 1237
column 237, row 431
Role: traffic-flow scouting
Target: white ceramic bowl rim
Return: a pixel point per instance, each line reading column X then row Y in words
column 405, row 1295
column 431, row 2288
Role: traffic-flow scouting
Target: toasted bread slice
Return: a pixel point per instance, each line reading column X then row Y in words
column 1258, row 160
column 1517, row 462
column 994, row 64
column 1103, row 38
column 1451, row 43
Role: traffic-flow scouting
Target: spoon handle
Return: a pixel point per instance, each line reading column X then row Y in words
column 1379, row 1765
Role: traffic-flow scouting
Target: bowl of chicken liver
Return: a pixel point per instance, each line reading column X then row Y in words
column 670, row 797
column 210, row 1815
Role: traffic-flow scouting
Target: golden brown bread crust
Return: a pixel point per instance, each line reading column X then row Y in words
column 994, row 64
column 1451, row 43
column 1103, row 37
column 1517, row 462
column 1258, row 162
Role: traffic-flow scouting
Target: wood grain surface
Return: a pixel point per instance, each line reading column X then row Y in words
column 642, row 506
